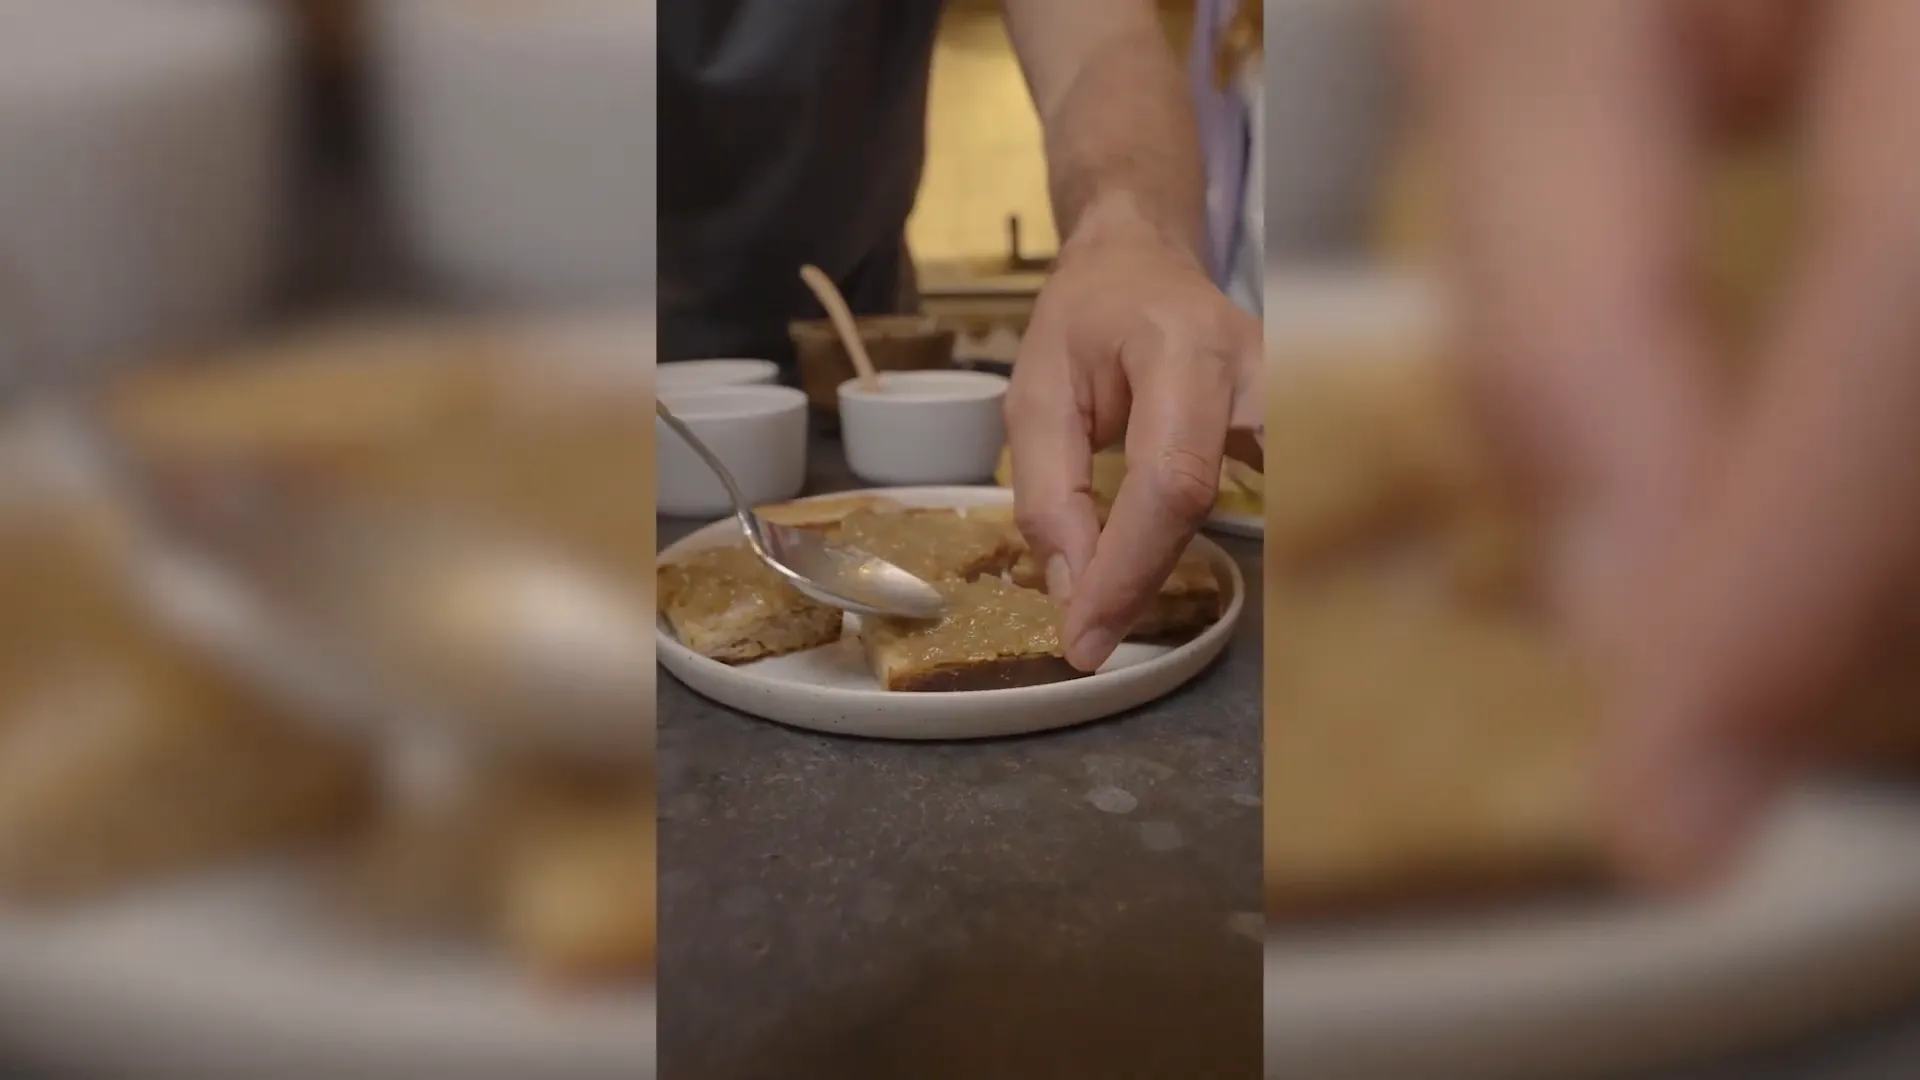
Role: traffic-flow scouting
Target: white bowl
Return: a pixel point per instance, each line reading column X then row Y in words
column 700, row 374
column 519, row 143
column 758, row 432
column 145, row 146
column 924, row 427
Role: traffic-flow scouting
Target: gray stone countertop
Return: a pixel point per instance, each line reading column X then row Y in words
column 851, row 909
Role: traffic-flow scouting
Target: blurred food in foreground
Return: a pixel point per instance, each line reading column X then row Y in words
column 556, row 862
column 127, row 759
column 1428, row 735
column 123, row 758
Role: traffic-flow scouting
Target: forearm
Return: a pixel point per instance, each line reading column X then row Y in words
column 1123, row 155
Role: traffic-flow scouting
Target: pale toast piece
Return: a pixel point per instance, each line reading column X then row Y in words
column 123, row 758
column 727, row 605
column 555, row 865
column 825, row 513
column 117, row 770
column 994, row 635
column 933, row 545
column 1191, row 599
column 1417, row 749
column 1357, row 450
column 1241, row 484
column 1026, row 571
column 576, row 895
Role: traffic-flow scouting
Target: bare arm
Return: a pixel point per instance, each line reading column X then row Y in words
column 1130, row 334
column 1122, row 152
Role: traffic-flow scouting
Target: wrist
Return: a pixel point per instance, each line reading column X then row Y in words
column 1121, row 219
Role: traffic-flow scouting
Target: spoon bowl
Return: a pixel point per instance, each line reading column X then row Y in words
column 828, row 573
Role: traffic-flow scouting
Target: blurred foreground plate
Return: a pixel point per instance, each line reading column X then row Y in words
column 1824, row 925
column 249, row 976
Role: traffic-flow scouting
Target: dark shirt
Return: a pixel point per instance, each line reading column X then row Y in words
column 791, row 132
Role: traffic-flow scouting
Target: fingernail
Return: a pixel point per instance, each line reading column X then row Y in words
column 1059, row 579
column 1092, row 648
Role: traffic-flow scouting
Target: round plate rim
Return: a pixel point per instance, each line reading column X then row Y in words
column 945, row 713
column 1245, row 526
column 1619, row 986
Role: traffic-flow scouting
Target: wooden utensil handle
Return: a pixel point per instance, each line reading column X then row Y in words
column 836, row 305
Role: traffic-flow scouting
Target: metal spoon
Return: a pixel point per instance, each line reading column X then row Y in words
column 385, row 620
column 841, row 577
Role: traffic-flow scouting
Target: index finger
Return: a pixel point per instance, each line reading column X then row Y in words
column 1050, row 439
column 1175, row 439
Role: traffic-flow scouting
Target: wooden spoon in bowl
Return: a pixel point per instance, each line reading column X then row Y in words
column 829, row 296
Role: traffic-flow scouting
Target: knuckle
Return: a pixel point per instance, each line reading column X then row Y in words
column 1183, row 485
column 1032, row 519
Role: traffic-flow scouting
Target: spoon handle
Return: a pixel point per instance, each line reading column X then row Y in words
column 740, row 508
column 829, row 296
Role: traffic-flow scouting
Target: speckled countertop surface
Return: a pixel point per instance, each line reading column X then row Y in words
column 1074, row 904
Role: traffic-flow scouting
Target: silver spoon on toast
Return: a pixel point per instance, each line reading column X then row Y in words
column 833, row 575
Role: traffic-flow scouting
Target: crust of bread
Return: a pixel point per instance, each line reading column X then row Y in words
column 986, row 675
column 824, row 513
column 725, row 604
column 1191, row 600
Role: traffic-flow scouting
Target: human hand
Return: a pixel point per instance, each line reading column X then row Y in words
column 1726, row 568
column 1131, row 337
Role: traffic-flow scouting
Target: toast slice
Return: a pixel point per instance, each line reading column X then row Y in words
column 1417, row 749
column 994, row 635
column 576, row 893
column 1355, row 451
column 124, row 758
column 552, row 863
column 727, row 605
column 1191, row 600
column 826, row 513
column 117, row 771
column 933, row 545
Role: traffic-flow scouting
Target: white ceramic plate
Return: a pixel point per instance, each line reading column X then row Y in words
column 1824, row 923
column 1249, row 526
column 829, row 689
column 246, row 976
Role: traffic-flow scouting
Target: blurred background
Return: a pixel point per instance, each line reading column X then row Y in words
column 326, row 533
column 1440, row 896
